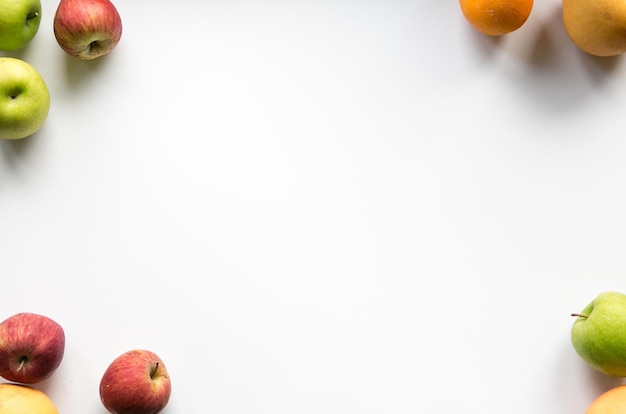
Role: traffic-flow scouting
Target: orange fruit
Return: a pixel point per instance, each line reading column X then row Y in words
column 612, row 401
column 496, row 17
column 597, row 27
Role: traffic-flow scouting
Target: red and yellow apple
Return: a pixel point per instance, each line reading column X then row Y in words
column 87, row 29
column 136, row 382
column 31, row 347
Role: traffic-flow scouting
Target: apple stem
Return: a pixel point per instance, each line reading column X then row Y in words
column 154, row 370
column 23, row 361
column 580, row 315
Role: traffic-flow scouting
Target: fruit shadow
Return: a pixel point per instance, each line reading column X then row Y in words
column 79, row 72
column 602, row 382
column 15, row 153
column 575, row 384
column 488, row 46
column 562, row 74
column 597, row 383
column 18, row 54
column 553, row 42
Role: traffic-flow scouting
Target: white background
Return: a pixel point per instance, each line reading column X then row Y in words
column 321, row 206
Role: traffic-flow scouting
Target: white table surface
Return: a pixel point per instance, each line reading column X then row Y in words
column 321, row 206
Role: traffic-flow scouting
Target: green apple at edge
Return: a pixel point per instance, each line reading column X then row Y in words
column 19, row 22
column 24, row 99
column 599, row 333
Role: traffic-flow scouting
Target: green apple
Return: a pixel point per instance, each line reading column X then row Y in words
column 19, row 22
column 599, row 333
column 24, row 99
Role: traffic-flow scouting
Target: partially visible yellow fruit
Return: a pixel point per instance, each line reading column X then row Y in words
column 496, row 17
column 612, row 401
column 597, row 27
column 22, row 399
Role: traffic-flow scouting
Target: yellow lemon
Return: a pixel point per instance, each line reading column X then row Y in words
column 612, row 401
column 597, row 27
column 22, row 399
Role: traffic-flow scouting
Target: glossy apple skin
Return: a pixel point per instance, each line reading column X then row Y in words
column 19, row 22
column 87, row 29
column 24, row 99
column 136, row 382
column 31, row 347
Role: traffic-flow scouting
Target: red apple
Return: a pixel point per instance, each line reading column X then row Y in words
column 136, row 382
column 87, row 29
column 31, row 347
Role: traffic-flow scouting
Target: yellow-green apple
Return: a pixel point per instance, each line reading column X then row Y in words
column 31, row 347
column 87, row 29
column 599, row 333
column 136, row 382
column 19, row 22
column 24, row 99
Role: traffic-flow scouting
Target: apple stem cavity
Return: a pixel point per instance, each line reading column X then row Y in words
column 580, row 315
column 94, row 48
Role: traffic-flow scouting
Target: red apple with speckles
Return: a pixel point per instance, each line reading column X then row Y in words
column 87, row 29
column 136, row 382
column 31, row 347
